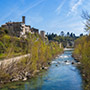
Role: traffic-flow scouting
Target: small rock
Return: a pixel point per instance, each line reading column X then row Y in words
column 20, row 77
column 15, row 79
column 65, row 61
column 26, row 74
column 38, row 71
column 24, row 79
column 83, row 75
column 45, row 68
column 73, row 63
column 78, row 63
column 42, row 67
column 56, row 65
column 49, row 63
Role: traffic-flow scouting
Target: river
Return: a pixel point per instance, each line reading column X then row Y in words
column 61, row 75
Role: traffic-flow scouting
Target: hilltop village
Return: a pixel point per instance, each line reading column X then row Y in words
column 20, row 29
column 24, row 52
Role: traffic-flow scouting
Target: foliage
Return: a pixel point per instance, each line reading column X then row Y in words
column 3, row 31
column 82, row 49
column 41, row 52
column 86, row 16
column 2, row 47
column 69, row 38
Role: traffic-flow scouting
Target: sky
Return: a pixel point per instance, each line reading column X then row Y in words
column 52, row 16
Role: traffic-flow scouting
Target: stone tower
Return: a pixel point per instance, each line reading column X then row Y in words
column 23, row 19
column 42, row 33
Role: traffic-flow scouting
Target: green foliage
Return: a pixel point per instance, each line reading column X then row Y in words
column 61, row 38
column 2, row 47
column 4, row 76
column 3, row 31
column 82, row 49
column 41, row 52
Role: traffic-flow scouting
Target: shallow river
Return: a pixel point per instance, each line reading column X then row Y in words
column 61, row 75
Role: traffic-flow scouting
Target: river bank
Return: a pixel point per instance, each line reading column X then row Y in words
column 60, row 75
column 38, row 53
column 23, row 75
column 82, row 54
column 83, row 72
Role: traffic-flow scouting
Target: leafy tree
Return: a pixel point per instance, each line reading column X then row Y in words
column 62, row 33
column 68, row 34
column 81, row 34
column 2, row 47
column 63, row 39
column 82, row 53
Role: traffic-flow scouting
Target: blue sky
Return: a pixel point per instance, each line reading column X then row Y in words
column 53, row 16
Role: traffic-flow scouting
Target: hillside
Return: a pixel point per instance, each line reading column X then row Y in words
column 41, row 53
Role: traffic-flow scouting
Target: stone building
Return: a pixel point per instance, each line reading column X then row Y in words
column 20, row 29
column 34, row 31
column 43, row 36
column 17, row 28
column 42, row 33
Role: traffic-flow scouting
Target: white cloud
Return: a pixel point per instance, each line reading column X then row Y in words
column 16, row 10
column 30, row 7
column 58, row 10
column 68, row 25
column 75, row 6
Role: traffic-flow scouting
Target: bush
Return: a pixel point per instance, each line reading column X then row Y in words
column 82, row 48
column 2, row 47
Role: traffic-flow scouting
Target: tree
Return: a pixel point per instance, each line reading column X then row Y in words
column 81, row 34
column 62, row 33
column 71, row 35
column 68, row 34
column 86, row 16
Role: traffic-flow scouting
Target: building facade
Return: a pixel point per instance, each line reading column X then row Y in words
column 19, row 28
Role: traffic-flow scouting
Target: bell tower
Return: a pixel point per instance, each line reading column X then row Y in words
column 23, row 19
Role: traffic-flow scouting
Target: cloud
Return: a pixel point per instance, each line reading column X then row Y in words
column 11, row 11
column 30, row 7
column 35, row 20
column 67, row 25
column 74, row 7
column 58, row 10
column 16, row 9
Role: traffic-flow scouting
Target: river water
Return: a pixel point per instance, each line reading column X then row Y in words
column 61, row 75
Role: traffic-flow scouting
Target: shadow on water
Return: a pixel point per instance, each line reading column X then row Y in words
column 61, row 75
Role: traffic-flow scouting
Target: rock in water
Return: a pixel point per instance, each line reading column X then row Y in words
column 49, row 63
column 72, row 63
column 56, row 65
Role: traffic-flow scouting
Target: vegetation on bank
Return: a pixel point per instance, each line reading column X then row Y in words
column 69, row 38
column 41, row 52
column 82, row 52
